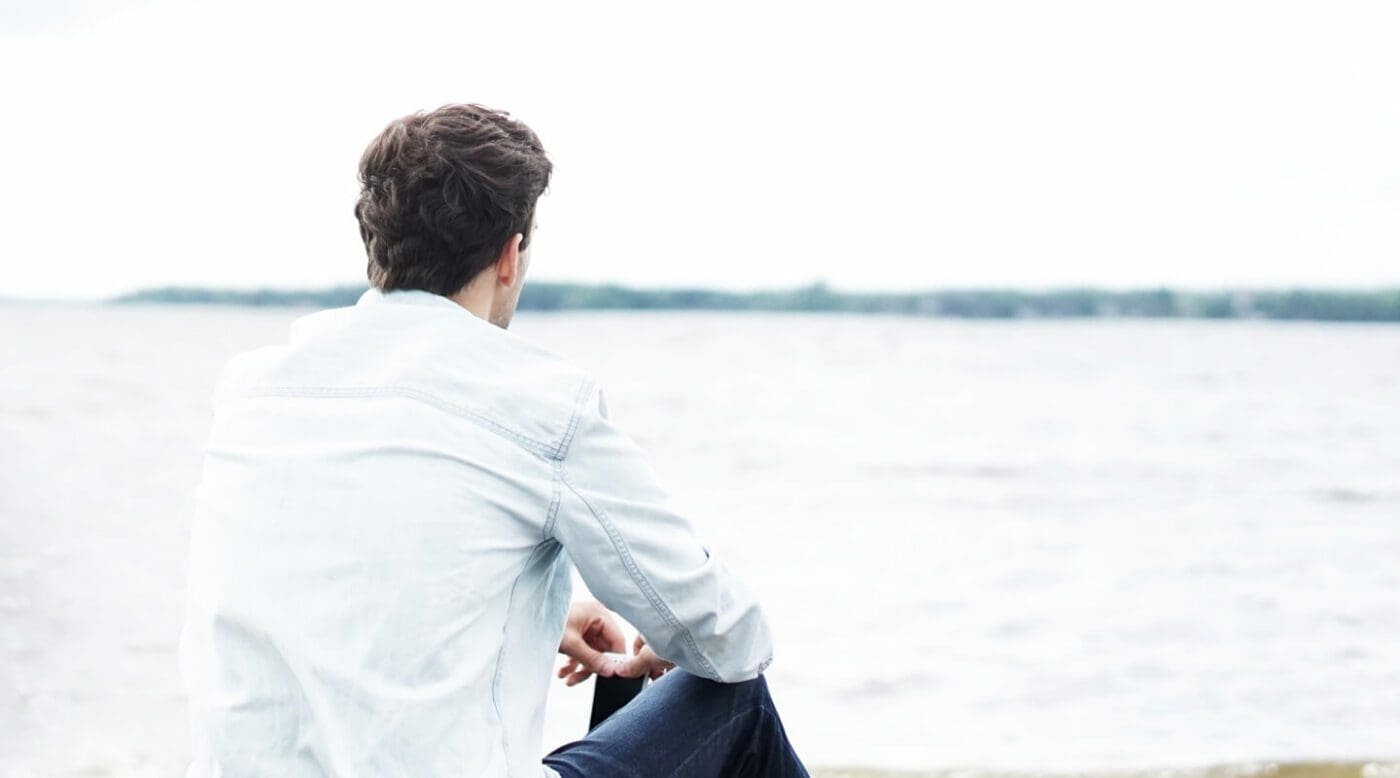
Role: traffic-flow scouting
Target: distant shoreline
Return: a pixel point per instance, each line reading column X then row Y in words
column 1381, row 305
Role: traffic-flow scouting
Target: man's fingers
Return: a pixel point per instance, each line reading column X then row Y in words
column 644, row 663
column 579, row 651
column 635, row 666
column 595, row 661
column 613, row 638
column 604, row 640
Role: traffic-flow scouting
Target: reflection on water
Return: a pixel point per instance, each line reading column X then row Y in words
column 1030, row 546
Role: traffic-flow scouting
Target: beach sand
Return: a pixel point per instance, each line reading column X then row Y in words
column 1380, row 769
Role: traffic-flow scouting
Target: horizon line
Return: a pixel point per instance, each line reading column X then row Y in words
column 810, row 285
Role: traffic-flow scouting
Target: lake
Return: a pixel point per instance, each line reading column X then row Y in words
column 1023, row 545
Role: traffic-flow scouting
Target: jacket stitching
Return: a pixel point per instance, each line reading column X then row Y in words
column 554, row 501
column 543, row 449
column 584, row 389
column 640, row 579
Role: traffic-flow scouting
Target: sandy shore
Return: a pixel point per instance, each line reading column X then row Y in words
column 1379, row 769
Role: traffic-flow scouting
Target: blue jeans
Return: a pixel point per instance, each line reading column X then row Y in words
column 682, row 725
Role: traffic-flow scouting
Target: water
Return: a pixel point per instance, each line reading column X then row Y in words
column 998, row 545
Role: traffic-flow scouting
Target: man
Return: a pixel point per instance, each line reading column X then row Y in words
column 391, row 503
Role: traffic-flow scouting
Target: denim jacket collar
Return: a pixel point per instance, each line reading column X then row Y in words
column 373, row 296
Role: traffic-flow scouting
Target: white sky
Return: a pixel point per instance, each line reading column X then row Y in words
column 874, row 146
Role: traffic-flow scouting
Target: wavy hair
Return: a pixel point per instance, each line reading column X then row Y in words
column 442, row 191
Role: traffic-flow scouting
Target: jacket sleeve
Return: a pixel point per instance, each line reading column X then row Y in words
column 643, row 560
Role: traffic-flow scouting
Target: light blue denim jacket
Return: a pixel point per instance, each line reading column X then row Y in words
column 380, row 558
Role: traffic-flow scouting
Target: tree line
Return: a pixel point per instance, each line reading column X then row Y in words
column 1309, row 304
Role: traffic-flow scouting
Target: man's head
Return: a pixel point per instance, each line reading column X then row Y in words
column 447, row 204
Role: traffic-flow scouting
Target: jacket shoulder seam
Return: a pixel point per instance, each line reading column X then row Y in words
column 584, row 390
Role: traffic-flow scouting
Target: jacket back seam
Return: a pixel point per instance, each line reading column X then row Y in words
column 501, row 655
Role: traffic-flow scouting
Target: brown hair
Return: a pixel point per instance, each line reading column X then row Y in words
column 441, row 192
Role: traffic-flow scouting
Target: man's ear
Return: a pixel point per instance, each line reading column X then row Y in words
column 508, row 263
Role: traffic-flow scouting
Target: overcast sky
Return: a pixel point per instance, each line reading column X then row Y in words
column 872, row 146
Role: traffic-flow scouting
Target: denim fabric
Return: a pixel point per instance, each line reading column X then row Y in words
column 685, row 726
column 389, row 510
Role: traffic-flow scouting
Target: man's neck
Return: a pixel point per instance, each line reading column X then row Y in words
column 473, row 300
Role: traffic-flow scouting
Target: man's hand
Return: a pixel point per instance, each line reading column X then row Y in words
column 589, row 631
column 642, row 662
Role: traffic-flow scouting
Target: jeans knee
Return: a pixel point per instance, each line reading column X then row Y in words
column 750, row 693
column 755, row 692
